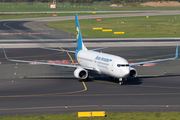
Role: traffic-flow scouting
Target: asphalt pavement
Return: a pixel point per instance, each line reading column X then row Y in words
column 41, row 89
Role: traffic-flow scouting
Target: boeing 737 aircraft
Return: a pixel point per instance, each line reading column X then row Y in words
column 97, row 62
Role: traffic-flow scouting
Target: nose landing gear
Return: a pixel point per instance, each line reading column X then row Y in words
column 120, row 81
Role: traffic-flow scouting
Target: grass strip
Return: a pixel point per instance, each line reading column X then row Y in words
column 109, row 116
column 133, row 27
column 23, row 7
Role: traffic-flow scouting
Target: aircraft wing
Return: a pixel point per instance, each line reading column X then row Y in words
column 153, row 61
column 63, row 65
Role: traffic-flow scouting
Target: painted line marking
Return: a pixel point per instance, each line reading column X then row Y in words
column 147, row 64
column 84, row 95
column 106, row 82
column 11, row 33
column 42, row 77
column 49, row 94
column 91, row 106
column 20, row 31
column 137, row 94
column 23, row 33
column 157, row 86
column 37, row 33
column 11, row 27
column 55, row 62
column 36, row 56
column 85, row 88
column 61, row 62
column 68, row 55
column 82, row 106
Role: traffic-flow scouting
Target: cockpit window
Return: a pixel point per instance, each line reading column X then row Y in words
column 122, row 65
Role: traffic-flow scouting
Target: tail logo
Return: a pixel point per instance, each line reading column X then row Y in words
column 77, row 33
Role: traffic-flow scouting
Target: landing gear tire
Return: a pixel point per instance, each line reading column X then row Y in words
column 120, row 81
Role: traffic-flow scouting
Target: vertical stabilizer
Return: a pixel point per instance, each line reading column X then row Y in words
column 79, row 42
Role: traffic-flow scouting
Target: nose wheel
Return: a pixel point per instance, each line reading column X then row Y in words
column 120, row 81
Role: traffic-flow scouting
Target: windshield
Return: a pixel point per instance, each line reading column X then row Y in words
column 122, row 65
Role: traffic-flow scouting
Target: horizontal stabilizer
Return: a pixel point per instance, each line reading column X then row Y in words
column 59, row 50
column 99, row 48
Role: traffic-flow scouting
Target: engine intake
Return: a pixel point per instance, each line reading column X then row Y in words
column 133, row 72
column 81, row 73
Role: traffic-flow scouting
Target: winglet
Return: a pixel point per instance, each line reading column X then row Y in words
column 5, row 54
column 176, row 56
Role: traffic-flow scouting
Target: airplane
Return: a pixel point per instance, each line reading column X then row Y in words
column 97, row 62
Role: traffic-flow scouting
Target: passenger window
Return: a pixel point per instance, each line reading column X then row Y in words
column 127, row 64
column 118, row 65
column 123, row 65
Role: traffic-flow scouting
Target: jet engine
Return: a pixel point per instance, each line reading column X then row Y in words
column 133, row 72
column 81, row 73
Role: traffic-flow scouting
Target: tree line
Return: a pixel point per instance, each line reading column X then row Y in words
column 70, row 1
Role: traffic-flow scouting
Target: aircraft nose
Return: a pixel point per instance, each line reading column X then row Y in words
column 126, row 72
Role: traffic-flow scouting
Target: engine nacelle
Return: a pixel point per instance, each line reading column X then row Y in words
column 133, row 72
column 81, row 73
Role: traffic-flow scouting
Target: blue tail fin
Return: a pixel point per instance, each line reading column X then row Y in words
column 79, row 42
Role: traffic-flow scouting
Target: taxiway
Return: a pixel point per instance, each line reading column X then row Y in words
column 41, row 89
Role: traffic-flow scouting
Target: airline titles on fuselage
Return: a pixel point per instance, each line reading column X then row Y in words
column 103, row 59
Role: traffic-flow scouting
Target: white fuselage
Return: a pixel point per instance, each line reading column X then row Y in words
column 103, row 63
